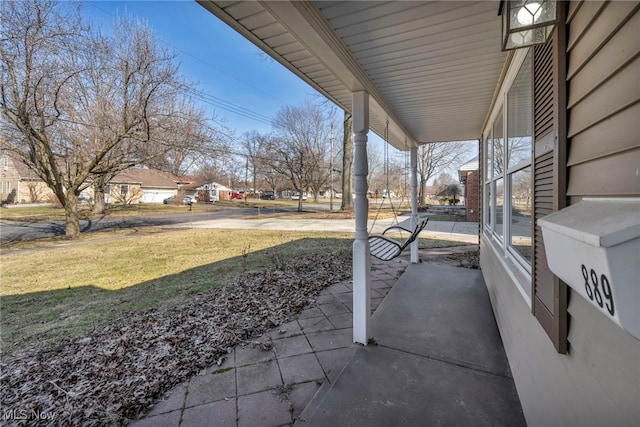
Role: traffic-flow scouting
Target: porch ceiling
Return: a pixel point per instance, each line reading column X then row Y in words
column 431, row 68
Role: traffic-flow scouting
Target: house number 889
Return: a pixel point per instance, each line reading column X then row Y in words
column 598, row 290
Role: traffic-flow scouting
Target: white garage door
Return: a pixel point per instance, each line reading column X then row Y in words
column 155, row 196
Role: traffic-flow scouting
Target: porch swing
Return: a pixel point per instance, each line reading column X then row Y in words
column 381, row 246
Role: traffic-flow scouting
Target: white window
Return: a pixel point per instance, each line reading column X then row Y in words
column 518, row 157
column 488, row 193
column 498, row 176
column 508, row 189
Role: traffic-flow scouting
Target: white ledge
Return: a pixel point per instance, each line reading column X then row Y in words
column 597, row 222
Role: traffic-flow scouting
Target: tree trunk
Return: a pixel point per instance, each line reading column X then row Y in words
column 246, row 182
column 347, row 163
column 255, row 189
column 423, row 192
column 99, row 205
column 72, row 229
column 300, row 203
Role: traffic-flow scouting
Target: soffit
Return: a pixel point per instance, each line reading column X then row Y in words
column 431, row 68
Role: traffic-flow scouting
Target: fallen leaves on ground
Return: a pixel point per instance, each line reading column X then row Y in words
column 468, row 259
column 114, row 374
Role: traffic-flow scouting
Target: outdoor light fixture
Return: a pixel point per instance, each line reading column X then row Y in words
column 527, row 22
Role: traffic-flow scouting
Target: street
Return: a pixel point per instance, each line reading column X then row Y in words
column 14, row 231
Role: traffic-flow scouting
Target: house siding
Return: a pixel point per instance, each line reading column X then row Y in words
column 34, row 191
column 23, row 183
column 134, row 193
column 603, row 105
column 597, row 381
column 9, row 178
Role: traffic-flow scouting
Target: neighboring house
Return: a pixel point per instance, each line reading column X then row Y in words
column 138, row 185
column 213, row 192
column 191, row 186
column 469, row 175
column 558, row 124
column 19, row 184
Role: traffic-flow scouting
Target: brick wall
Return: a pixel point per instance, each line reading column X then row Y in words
column 472, row 200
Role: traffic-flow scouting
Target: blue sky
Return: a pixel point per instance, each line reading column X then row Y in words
column 224, row 64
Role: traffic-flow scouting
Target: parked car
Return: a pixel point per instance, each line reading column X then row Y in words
column 296, row 196
column 187, row 200
column 267, row 195
column 235, row 195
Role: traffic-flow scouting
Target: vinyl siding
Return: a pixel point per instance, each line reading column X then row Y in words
column 603, row 160
column 603, row 106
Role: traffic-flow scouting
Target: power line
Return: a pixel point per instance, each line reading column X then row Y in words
column 214, row 100
column 230, row 75
column 233, row 108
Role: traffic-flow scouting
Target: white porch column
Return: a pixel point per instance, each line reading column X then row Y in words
column 415, row 258
column 361, row 257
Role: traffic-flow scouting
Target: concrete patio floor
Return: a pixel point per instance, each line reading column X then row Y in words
column 438, row 360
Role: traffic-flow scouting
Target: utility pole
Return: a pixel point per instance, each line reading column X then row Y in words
column 246, row 180
column 331, row 170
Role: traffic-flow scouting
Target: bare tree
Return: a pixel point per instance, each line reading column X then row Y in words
column 433, row 158
column 36, row 191
column 221, row 165
column 443, row 179
column 345, row 152
column 77, row 105
column 189, row 142
column 377, row 177
column 347, row 162
column 127, row 194
column 322, row 173
column 254, row 146
column 301, row 146
column 273, row 178
column 397, row 173
column 319, row 178
column 323, row 151
column 289, row 160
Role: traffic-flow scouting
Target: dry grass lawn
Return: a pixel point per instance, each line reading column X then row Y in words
column 61, row 289
column 67, row 288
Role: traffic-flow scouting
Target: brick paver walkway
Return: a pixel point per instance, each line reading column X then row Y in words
column 270, row 381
